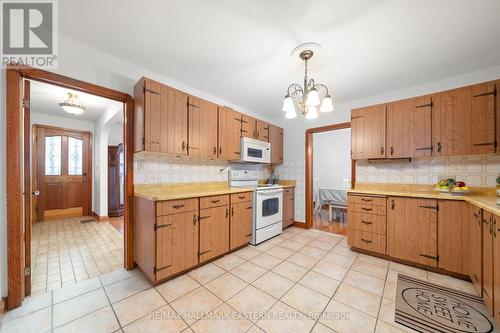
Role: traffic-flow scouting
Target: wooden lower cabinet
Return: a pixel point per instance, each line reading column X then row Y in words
column 288, row 206
column 367, row 223
column 488, row 260
column 496, row 267
column 476, row 248
column 214, row 231
column 241, row 224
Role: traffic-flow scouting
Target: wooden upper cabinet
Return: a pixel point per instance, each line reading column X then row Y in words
column 276, row 139
column 248, row 126
column 368, row 131
column 262, row 130
column 229, row 133
column 174, row 121
column 357, row 134
column 451, row 123
column 147, row 115
column 202, row 128
column 483, row 119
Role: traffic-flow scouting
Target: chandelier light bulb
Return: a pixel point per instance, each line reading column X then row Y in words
column 327, row 104
column 311, row 112
column 288, row 104
column 312, row 98
column 290, row 114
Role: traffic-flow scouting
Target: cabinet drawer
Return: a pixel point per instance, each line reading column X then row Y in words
column 367, row 200
column 214, row 201
column 176, row 206
column 241, row 197
column 369, row 241
column 369, row 209
column 369, row 222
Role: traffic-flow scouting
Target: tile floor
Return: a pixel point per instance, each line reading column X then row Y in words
column 300, row 281
column 66, row 251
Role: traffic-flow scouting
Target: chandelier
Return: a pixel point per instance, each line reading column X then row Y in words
column 307, row 97
column 72, row 104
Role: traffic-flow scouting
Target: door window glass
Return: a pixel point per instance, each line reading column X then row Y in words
column 270, row 206
column 53, row 155
column 74, row 156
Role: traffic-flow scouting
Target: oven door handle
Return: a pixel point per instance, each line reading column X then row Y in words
column 266, row 193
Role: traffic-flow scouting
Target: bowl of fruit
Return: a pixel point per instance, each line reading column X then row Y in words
column 450, row 186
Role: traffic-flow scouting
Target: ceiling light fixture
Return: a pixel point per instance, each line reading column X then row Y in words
column 307, row 97
column 72, row 104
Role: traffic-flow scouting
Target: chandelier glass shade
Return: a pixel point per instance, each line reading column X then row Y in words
column 72, row 104
column 307, row 97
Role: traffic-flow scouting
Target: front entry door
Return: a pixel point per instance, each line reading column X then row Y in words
column 63, row 166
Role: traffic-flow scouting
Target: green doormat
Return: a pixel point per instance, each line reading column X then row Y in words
column 428, row 307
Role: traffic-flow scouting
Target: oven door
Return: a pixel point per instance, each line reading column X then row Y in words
column 269, row 208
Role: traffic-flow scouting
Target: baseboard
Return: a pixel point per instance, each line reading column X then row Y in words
column 100, row 218
column 300, row 224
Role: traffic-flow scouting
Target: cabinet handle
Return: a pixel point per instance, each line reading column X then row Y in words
column 202, row 217
column 439, row 147
column 424, row 148
column 195, row 219
column 392, row 150
column 366, row 209
column 215, row 201
column 366, row 240
column 232, row 211
column 183, row 145
column 227, row 212
column 177, row 206
column 393, row 204
column 249, row 207
column 220, row 150
column 241, row 197
column 484, row 144
column 476, row 215
column 366, row 222
column 366, row 200
column 381, row 150
column 215, row 150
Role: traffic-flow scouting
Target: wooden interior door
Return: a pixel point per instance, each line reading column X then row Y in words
column 241, row 224
column 63, row 173
column 483, row 119
column 248, row 126
column 30, row 197
column 476, row 245
column 488, row 260
column 262, row 130
column 214, row 232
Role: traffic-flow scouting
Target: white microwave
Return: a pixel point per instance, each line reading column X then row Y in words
column 255, row 151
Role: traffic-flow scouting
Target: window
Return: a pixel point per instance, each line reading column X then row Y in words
column 53, row 155
column 74, row 156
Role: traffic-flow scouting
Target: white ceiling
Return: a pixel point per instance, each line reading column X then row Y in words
column 45, row 98
column 239, row 50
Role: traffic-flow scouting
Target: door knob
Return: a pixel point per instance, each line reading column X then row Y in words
column 36, row 193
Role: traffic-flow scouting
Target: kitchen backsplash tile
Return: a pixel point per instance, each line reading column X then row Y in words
column 295, row 170
column 156, row 168
column 475, row 170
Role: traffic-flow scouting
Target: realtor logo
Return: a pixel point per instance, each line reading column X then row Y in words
column 29, row 33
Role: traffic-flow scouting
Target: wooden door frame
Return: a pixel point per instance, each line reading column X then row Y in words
column 15, row 134
column 309, row 167
column 90, row 175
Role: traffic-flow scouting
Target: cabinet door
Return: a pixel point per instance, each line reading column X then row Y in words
column 173, row 121
column 185, row 236
column 374, row 123
column 214, row 232
column 397, row 228
column 262, row 130
column 483, row 119
column 454, row 235
column 202, row 137
column 496, row 266
column 288, row 207
column 152, row 91
column 421, row 117
column 229, row 133
column 164, row 247
column 248, row 127
column 276, row 140
column 396, row 136
column 476, row 241
column 442, row 125
column 488, row 260
column 357, row 134
column 462, row 121
column 241, row 224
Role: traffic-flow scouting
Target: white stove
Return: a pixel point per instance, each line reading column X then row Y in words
column 267, row 204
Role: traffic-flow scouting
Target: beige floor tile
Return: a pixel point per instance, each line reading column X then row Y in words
column 307, row 301
column 320, row 328
column 226, row 286
column 292, row 245
column 323, row 284
column 358, row 299
column 79, row 306
column 387, row 313
column 283, row 319
column 248, row 272
column 266, row 261
column 180, row 286
column 222, row 319
column 313, row 251
column 273, row 284
column 331, row 270
column 76, row 289
column 344, row 319
column 228, row 262
column 323, row 245
column 100, row 321
column 339, row 259
column 370, row 269
column 301, row 239
column 280, row 252
column 373, row 260
column 408, row 270
column 252, row 303
column 196, row 304
column 255, row 329
column 247, row 253
column 30, row 304
column 290, row 271
column 451, row 282
column 34, row 322
column 137, row 306
column 206, row 273
column 383, row 327
column 263, row 247
column 390, row 290
column 163, row 320
column 365, row 282
column 303, row 260
column 125, row 288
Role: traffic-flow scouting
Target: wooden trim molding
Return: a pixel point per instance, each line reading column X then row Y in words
column 100, row 218
column 14, row 132
column 309, row 169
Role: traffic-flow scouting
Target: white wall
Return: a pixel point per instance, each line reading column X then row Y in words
column 294, row 165
column 332, row 157
column 115, row 134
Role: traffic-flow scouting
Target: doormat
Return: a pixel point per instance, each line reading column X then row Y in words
column 427, row 307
